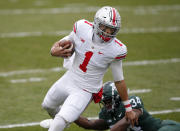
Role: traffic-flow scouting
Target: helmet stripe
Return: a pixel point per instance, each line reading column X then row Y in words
column 114, row 16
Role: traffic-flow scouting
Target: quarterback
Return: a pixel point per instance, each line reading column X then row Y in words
column 112, row 115
column 95, row 49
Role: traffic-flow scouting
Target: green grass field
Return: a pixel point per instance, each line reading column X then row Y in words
column 150, row 29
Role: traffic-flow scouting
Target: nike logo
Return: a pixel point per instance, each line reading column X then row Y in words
column 100, row 53
column 120, row 114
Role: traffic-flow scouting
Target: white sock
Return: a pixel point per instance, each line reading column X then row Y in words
column 58, row 124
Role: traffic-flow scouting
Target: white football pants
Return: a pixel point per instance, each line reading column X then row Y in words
column 74, row 100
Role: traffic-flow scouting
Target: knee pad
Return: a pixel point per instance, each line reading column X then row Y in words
column 51, row 111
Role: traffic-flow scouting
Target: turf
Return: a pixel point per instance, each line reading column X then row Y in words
column 21, row 102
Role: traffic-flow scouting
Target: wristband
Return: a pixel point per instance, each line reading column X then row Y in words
column 127, row 105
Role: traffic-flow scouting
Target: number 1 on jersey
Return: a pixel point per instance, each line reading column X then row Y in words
column 87, row 58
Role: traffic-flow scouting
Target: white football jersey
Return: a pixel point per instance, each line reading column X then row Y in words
column 91, row 60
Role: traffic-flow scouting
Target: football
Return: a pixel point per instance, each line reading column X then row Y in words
column 66, row 44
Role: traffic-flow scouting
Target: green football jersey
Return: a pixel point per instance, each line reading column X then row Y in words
column 146, row 121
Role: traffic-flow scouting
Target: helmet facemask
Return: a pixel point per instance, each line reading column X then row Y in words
column 111, row 103
column 110, row 97
column 106, row 23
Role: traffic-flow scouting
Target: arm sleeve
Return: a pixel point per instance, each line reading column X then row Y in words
column 117, row 70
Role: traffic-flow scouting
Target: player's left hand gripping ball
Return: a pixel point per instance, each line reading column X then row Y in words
column 66, row 48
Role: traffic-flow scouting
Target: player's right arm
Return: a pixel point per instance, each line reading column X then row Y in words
column 117, row 71
column 98, row 124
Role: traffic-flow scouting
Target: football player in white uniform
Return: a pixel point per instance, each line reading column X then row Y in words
column 95, row 49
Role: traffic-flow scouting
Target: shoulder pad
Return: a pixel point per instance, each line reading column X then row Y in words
column 81, row 25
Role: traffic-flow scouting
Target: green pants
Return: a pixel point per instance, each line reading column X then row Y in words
column 169, row 125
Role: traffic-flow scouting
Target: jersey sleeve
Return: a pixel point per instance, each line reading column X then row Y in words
column 122, row 50
column 80, row 26
column 76, row 27
column 136, row 102
column 74, row 35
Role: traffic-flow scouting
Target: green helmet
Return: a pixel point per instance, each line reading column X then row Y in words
column 110, row 96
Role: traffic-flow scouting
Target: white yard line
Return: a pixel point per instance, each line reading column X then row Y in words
column 32, row 79
column 57, row 69
column 150, row 30
column 139, row 91
column 175, row 98
column 37, row 123
column 164, row 111
column 66, row 32
column 20, row 72
column 138, row 10
column 20, row 125
column 151, row 62
column 28, row 34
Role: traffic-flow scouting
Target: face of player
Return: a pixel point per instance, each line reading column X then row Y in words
column 108, row 104
column 107, row 30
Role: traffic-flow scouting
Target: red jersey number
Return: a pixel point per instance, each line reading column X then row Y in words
column 87, row 58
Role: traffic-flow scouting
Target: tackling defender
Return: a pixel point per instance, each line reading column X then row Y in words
column 95, row 48
column 112, row 115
